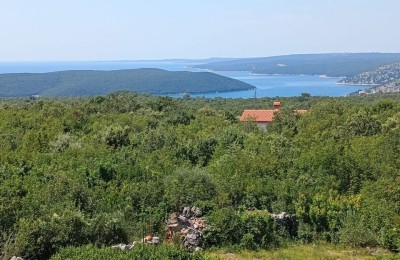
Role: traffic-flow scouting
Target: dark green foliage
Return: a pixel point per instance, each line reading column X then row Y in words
column 89, row 83
column 187, row 187
column 355, row 231
column 110, row 169
column 40, row 238
column 226, row 228
column 250, row 229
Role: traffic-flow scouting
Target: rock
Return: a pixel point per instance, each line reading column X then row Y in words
column 188, row 226
column 196, row 211
column 187, row 212
column 124, row 246
column 192, row 240
column 156, row 240
column 16, row 258
column 177, row 222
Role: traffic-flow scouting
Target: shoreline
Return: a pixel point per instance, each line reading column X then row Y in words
column 354, row 84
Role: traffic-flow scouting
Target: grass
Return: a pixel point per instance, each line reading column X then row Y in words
column 310, row 251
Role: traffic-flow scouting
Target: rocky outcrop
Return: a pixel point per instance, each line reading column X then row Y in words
column 188, row 225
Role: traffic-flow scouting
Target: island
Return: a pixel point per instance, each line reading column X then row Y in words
column 92, row 82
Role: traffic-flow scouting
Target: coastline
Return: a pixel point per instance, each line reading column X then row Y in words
column 354, row 84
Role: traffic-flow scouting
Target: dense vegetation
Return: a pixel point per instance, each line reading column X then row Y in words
column 90, row 82
column 106, row 170
column 335, row 64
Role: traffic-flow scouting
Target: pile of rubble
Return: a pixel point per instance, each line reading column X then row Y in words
column 188, row 226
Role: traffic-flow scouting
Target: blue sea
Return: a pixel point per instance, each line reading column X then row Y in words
column 266, row 85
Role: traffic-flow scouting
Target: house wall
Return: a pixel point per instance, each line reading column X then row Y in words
column 262, row 125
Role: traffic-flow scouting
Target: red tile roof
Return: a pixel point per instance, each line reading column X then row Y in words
column 259, row 116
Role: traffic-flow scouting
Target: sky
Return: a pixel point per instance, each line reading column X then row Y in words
column 56, row 30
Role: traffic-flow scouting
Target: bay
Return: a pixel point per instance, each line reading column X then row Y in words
column 266, row 85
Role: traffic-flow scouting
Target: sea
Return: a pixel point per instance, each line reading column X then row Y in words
column 266, row 85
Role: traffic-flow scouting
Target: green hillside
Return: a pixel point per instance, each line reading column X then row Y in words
column 79, row 83
column 78, row 175
column 333, row 64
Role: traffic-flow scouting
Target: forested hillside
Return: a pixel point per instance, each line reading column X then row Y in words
column 105, row 170
column 330, row 64
column 91, row 82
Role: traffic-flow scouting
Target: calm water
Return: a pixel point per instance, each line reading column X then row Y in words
column 267, row 86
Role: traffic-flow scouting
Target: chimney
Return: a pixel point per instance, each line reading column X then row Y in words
column 277, row 105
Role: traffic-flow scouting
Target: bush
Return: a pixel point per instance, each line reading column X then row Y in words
column 41, row 238
column 142, row 252
column 116, row 136
column 250, row 229
column 224, row 228
column 260, row 227
column 247, row 242
column 354, row 232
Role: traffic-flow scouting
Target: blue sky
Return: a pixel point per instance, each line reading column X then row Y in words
column 159, row 29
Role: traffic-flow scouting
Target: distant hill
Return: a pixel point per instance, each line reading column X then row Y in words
column 383, row 75
column 384, row 79
column 391, row 87
column 387, row 88
column 333, row 64
column 87, row 82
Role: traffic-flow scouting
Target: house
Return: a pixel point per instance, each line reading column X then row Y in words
column 262, row 117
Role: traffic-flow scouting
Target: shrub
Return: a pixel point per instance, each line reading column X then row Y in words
column 354, row 232
column 42, row 237
column 224, row 228
column 116, row 136
column 259, row 226
column 142, row 252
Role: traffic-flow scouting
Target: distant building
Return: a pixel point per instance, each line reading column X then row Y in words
column 262, row 117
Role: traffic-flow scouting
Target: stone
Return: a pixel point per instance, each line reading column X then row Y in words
column 156, row 240
column 196, row 211
column 124, row 247
column 192, row 240
column 187, row 212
